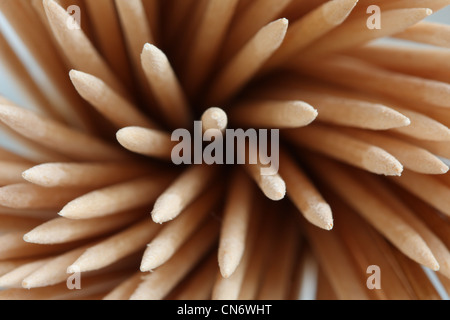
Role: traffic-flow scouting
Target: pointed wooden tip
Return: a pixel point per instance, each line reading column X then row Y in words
column 83, row 81
column 72, row 210
column 125, row 137
column 427, row 259
column 37, row 236
column 379, row 161
column 321, row 216
column 166, row 208
column 26, row 284
column 152, row 58
column 336, row 12
column 53, row 10
column 277, row 29
column 7, row 110
column 228, row 261
column 149, row 261
column 299, row 113
column 151, row 49
column 73, row 268
column 149, row 142
column 273, row 187
column 43, row 175
column 215, row 118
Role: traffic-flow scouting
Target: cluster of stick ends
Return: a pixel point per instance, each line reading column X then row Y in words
column 364, row 130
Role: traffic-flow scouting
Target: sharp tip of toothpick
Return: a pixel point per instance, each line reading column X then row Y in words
column 403, row 121
column 5, row 108
column 434, row 265
column 124, row 136
column 321, row 216
column 143, row 268
column 151, row 51
column 75, row 77
column 120, row 135
column 149, row 47
column 66, row 214
column 158, row 217
column 226, row 270
column 146, row 267
column 225, row 275
column 328, row 226
column 73, row 268
column 49, row 4
column 26, row 284
column 74, row 73
column 26, row 175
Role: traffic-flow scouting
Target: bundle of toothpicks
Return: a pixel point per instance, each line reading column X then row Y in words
column 224, row 149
